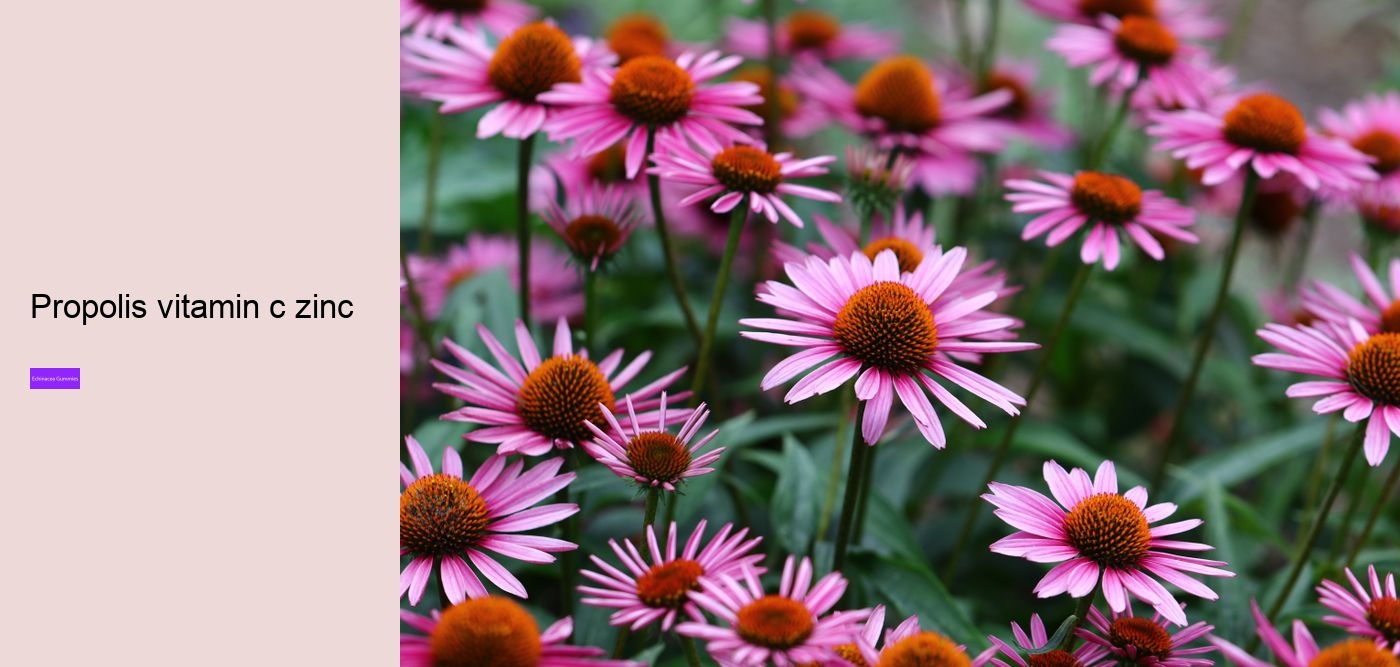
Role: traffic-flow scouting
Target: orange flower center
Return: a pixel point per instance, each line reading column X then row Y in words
column 888, row 326
column 560, row 394
column 1145, row 40
column 1382, row 216
column 439, row 515
column 1382, row 145
column 1274, row 212
column 1354, row 653
column 486, row 632
column 1373, row 368
column 1384, row 615
column 1021, row 100
column 747, row 169
column 925, row 649
column 1266, row 123
column 1118, row 8
column 1109, row 530
column 666, row 585
column 653, row 90
column 658, row 455
column 900, row 91
column 461, row 6
column 609, row 165
column 1056, row 658
column 1106, row 197
column 1142, row 634
column 775, row 622
column 851, row 653
column 908, row 254
column 1390, row 317
column 637, row 35
column 808, row 29
column 761, row 77
column 593, row 235
column 531, row 60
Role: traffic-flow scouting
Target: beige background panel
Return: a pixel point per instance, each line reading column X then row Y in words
column 219, row 492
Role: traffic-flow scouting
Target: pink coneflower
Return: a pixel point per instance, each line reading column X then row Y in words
column 637, row 35
column 1145, row 642
column 876, row 180
column 594, row 224
column 1363, row 379
column 493, row 631
column 1188, row 18
column 1305, row 652
column 664, row 588
column 673, row 96
column 555, row 289
column 562, row 176
column 1108, row 204
column 654, row 458
column 1372, row 126
column 445, row 520
column 907, row 644
column 812, row 34
column 1373, row 612
column 1379, row 208
column 734, row 174
column 1279, row 203
column 784, row 629
column 1381, row 315
column 546, row 403
column 798, row 115
column 434, row 18
column 895, row 330
column 1264, row 132
column 466, row 73
column 1136, row 51
column 1096, row 531
column 1033, row 645
column 900, row 105
column 1030, row 113
column 906, row 234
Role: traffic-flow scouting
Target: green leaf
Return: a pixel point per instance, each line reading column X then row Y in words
column 487, row 299
column 1233, row 617
column 794, row 506
column 914, row 589
column 889, row 529
column 1238, row 463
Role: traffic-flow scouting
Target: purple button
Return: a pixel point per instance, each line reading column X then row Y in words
column 55, row 378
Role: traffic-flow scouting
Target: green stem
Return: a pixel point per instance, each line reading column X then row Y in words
column 1300, row 254
column 962, row 32
column 1358, row 496
column 1105, row 144
column 436, row 129
column 1222, row 293
column 653, row 498
column 833, row 481
column 707, row 343
column 1314, row 530
column 848, row 506
column 1076, row 288
column 1381, row 504
column 667, row 251
column 771, row 109
column 620, row 646
column 590, row 312
column 989, row 41
column 692, row 655
column 1319, row 467
column 867, row 470
column 1081, row 611
column 522, row 222
column 1242, row 21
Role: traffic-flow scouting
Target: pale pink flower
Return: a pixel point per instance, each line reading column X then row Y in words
column 1097, row 534
column 675, row 97
column 555, row 289
column 891, row 331
column 1381, row 312
column 664, row 588
column 1372, row 126
column 1372, row 612
column 546, row 403
column 445, row 521
column 1188, row 18
column 747, row 175
column 478, row 631
column 434, row 18
column 1137, row 50
column 789, row 628
column 1108, row 205
column 1304, row 652
column 811, row 34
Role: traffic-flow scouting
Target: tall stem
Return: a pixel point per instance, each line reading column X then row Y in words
column 962, row 32
column 1076, row 287
column 833, row 480
column 1300, row 254
column 1105, row 144
column 989, row 41
column 692, row 656
column 1339, row 544
column 707, row 343
column 653, row 498
column 436, row 129
column 771, row 110
column 590, row 312
column 668, row 252
column 848, row 507
column 1310, row 539
column 1081, row 611
column 1381, row 504
column 1222, row 293
column 522, row 222
column 867, row 471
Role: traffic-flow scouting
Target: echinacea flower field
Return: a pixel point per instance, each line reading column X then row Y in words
column 1039, row 333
